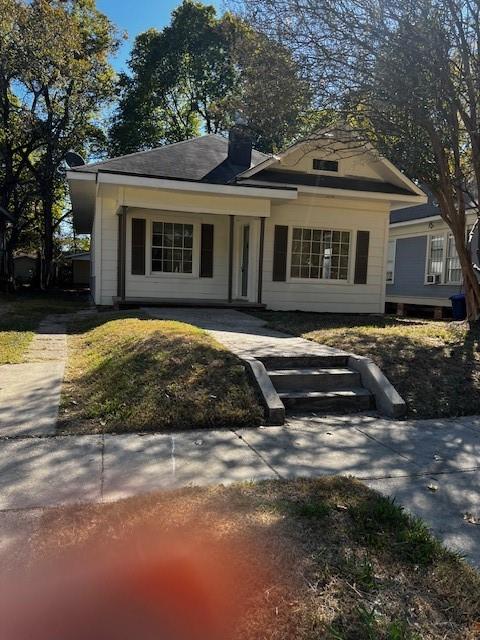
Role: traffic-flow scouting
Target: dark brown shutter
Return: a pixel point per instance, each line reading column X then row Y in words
column 138, row 246
column 206, row 251
column 361, row 257
column 280, row 244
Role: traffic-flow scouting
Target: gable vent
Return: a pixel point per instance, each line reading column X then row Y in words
column 325, row 165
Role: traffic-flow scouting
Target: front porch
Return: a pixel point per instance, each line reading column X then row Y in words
column 216, row 263
column 133, row 303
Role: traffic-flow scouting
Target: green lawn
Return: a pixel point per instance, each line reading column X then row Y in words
column 133, row 373
column 20, row 315
column 435, row 366
column 304, row 559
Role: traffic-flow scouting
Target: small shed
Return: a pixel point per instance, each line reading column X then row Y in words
column 25, row 268
column 81, row 268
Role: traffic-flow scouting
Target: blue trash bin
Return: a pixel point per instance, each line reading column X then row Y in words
column 459, row 306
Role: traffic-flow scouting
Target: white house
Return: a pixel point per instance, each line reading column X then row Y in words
column 210, row 221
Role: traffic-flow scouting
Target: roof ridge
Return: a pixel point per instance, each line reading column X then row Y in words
column 137, row 153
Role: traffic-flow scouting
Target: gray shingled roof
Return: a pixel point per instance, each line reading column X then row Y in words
column 202, row 159
column 414, row 213
column 419, row 212
column 332, row 182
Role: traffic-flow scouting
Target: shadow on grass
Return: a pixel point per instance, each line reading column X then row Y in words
column 434, row 366
column 297, row 571
column 20, row 315
column 131, row 373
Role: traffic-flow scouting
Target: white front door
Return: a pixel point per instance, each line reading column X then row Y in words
column 244, row 257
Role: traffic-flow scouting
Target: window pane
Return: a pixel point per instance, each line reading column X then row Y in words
column 454, row 272
column 295, row 272
column 304, row 272
column 178, row 235
column 320, row 254
column 156, row 265
column 435, row 261
column 188, row 236
column 390, row 261
column 168, row 234
column 165, row 258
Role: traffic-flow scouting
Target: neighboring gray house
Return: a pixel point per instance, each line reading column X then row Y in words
column 422, row 265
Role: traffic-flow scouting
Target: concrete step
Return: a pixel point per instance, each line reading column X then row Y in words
column 338, row 401
column 314, row 379
column 329, row 360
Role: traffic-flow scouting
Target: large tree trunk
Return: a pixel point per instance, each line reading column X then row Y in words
column 10, row 247
column 452, row 211
column 471, row 286
column 48, row 245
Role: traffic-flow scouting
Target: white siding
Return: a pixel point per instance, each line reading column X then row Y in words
column 105, row 249
column 308, row 295
column 333, row 296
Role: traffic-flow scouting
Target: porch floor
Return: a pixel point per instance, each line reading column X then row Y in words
column 130, row 303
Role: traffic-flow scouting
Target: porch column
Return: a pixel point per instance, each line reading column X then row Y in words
column 260, row 260
column 230, row 258
column 121, row 252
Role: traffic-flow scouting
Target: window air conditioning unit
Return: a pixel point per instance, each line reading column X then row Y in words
column 433, row 278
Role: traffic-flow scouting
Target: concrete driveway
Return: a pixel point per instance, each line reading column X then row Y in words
column 401, row 459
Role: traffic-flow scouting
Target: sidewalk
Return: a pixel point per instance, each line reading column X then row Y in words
column 396, row 458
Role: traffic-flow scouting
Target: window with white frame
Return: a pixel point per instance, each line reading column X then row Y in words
column 391, row 261
column 320, row 254
column 443, row 260
column 172, row 247
column 453, row 272
column 435, row 255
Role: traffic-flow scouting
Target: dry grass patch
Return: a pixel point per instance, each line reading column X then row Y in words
column 20, row 316
column 435, row 366
column 304, row 559
column 133, row 373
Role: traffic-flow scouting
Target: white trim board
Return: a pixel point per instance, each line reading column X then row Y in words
column 181, row 185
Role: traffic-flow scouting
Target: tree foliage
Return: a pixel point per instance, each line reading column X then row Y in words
column 54, row 79
column 404, row 75
column 193, row 76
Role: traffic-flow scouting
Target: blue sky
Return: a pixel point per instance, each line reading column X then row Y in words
column 135, row 16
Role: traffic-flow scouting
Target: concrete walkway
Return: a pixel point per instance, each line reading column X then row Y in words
column 30, row 392
column 401, row 459
column 243, row 334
